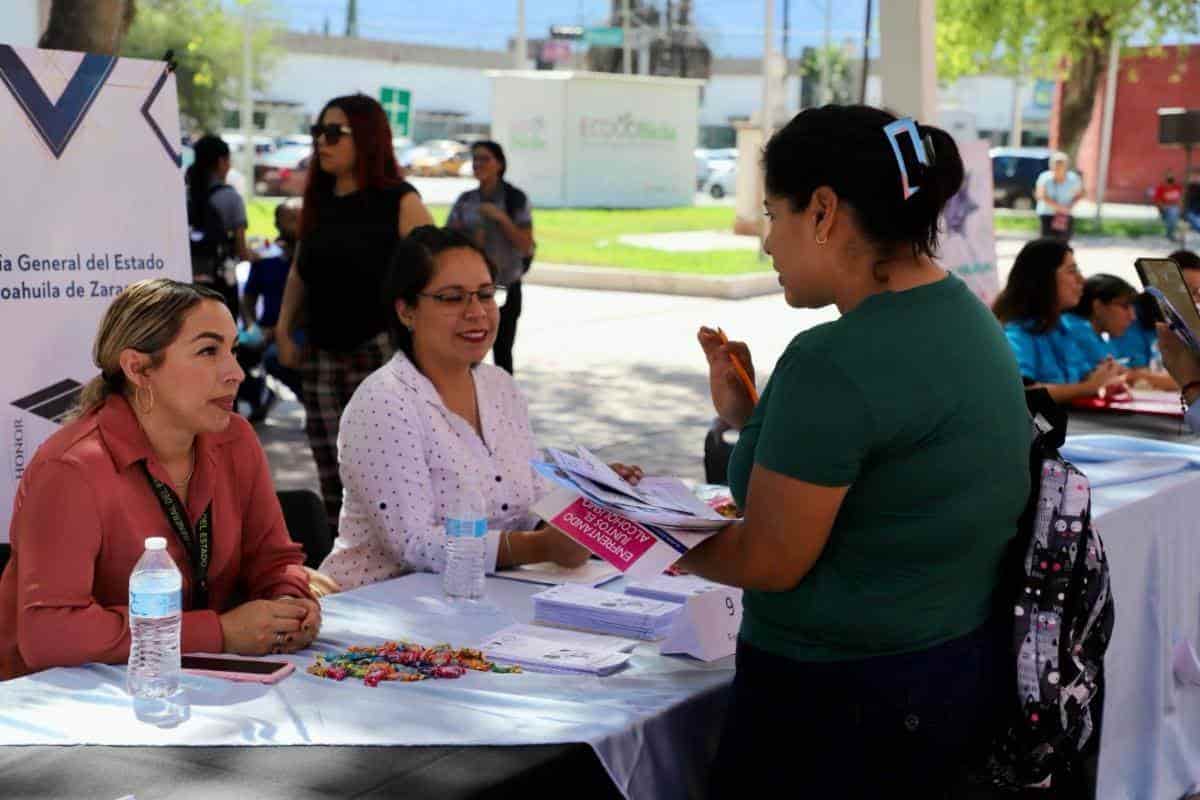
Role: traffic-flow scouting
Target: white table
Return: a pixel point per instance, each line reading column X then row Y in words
column 654, row 726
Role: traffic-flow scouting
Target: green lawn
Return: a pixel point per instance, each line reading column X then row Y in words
column 589, row 236
column 1086, row 226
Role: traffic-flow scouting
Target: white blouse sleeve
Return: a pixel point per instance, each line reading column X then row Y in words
column 385, row 467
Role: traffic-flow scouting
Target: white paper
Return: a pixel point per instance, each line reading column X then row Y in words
column 550, row 650
column 601, row 600
column 707, row 628
column 591, row 573
column 675, row 588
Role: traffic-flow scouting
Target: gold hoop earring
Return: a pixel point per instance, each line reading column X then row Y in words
column 821, row 241
column 144, row 407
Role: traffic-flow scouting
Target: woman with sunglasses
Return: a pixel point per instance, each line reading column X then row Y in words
column 496, row 216
column 435, row 424
column 357, row 206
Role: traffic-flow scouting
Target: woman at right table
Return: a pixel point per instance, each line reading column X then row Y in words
column 881, row 477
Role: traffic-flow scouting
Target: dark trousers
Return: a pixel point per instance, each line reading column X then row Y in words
column 893, row 726
column 506, row 332
column 1049, row 232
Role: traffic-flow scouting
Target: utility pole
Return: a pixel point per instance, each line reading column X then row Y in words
column 1106, row 126
column 787, row 59
column 1018, row 111
column 352, row 18
column 519, row 55
column 246, row 108
column 626, row 54
column 826, row 65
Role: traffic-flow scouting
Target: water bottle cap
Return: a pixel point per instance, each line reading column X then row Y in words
column 156, row 543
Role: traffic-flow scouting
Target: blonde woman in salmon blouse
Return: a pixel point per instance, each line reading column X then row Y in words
column 161, row 411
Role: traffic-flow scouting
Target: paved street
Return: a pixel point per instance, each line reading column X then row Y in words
column 622, row 373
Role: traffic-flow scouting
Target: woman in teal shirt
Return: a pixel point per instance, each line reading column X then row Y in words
column 1043, row 283
column 881, row 476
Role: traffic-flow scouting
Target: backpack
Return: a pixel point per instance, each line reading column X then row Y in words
column 211, row 248
column 514, row 201
column 1062, row 611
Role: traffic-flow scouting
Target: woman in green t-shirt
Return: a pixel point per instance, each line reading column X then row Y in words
column 881, row 476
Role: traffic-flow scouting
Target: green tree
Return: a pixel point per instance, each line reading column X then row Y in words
column 1068, row 41
column 816, row 61
column 207, row 42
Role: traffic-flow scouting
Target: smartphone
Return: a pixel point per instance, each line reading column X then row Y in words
column 237, row 669
column 1164, row 281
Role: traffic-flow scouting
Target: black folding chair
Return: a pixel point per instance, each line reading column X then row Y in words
column 307, row 524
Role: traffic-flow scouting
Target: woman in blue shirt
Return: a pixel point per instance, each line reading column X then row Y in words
column 1044, row 282
column 1105, row 325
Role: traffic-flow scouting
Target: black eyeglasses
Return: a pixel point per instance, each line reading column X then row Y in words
column 332, row 133
column 460, row 298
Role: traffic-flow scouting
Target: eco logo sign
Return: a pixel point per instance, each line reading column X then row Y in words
column 529, row 134
column 625, row 129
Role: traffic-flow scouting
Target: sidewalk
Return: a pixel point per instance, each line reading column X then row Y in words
column 621, row 372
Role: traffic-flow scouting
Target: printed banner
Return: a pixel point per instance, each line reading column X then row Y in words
column 968, row 238
column 93, row 202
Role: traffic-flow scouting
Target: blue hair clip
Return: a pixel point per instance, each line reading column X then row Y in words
column 893, row 131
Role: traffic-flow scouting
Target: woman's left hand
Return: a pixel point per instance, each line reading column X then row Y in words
column 310, row 626
column 631, row 474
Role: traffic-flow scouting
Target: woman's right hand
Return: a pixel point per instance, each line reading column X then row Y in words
column 289, row 351
column 1108, row 375
column 730, row 397
column 261, row 626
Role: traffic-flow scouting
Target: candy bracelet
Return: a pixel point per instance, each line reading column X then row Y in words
column 403, row 661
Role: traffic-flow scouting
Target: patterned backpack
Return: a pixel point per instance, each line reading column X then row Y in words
column 1058, row 588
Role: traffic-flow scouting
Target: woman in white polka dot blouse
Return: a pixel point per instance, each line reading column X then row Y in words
column 434, row 423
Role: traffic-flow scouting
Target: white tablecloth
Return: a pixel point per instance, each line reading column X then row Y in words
column 653, row 725
column 1150, row 745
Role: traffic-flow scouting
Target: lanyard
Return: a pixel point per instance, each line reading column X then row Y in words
column 196, row 543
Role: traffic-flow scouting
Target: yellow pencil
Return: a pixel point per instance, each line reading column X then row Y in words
column 739, row 369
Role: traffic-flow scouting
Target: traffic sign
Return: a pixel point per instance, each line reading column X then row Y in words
column 604, row 37
column 397, row 104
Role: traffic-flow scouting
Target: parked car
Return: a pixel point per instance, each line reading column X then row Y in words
column 262, row 144
column 437, row 158
column 283, row 172
column 1015, row 172
column 721, row 180
column 708, row 159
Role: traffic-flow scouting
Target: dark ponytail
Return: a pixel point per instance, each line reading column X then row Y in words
column 209, row 150
column 846, row 149
column 1106, row 289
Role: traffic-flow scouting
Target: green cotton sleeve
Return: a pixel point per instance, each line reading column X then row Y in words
column 816, row 426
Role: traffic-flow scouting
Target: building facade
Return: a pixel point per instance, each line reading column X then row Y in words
column 1147, row 80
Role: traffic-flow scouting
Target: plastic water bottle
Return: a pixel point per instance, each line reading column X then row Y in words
column 155, row 614
column 466, row 548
